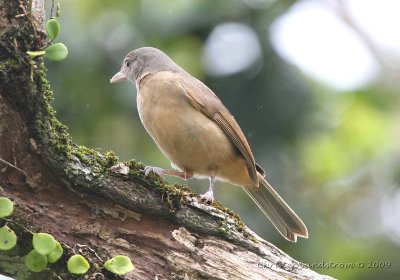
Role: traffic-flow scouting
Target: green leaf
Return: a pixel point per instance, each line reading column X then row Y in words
column 120, row 265
column 33, row 54
column 56, row 254
column 8, row 239
column 35, row 261
column 77, row 264
column 44, row 243
column 6, row 207
column 52, row 28
column 56, row 52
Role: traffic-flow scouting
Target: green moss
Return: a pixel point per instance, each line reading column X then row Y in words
column 7, row 63
column 47, row 126
column 110, row 158
column 56, row 135
column 85, row 155
column 135, row 168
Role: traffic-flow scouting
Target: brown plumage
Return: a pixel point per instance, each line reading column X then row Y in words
column 197, row 133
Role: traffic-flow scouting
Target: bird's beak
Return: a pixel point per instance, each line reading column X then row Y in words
column 119, row 77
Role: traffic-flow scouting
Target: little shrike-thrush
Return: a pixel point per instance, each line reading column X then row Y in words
column 196, row 132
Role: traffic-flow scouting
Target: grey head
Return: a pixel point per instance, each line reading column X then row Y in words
column 143, row 61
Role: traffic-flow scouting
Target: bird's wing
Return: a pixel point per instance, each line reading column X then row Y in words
column 204, row 100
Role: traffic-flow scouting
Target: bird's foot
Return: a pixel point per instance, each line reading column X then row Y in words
column 207, row 198
column 156, row 170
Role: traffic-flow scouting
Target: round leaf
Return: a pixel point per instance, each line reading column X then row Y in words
column 6, row 207
column 77, row 264
column 52, row 28
column 56, row 254
column 8, row 239
column 120, row 265
column 56, row 52
column 35, row 261
column 44, row 243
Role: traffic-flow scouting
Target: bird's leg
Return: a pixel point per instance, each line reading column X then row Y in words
column 161, row 171
column 208, row 197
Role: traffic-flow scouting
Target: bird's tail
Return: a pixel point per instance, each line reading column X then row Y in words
column 276, row 209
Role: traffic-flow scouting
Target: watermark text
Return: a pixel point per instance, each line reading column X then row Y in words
column 328, row 265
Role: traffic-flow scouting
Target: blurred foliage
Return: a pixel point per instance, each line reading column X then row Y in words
column 332, row 155
column 340, row 146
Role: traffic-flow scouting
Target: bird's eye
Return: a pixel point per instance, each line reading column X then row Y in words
column 127, row 63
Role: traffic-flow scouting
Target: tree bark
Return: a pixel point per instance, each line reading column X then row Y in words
column 95, row 209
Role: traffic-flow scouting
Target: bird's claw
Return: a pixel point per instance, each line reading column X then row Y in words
column 156, row 170
column 207, row 198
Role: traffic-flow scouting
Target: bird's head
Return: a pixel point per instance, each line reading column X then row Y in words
column 144, row 61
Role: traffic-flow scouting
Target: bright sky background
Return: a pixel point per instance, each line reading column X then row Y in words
column 311, row 36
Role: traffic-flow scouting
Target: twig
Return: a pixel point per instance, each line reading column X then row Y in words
column 52, row 8
column 13, row 166
column 80, row 246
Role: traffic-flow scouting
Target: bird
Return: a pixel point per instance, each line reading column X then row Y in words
column 198, row 134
